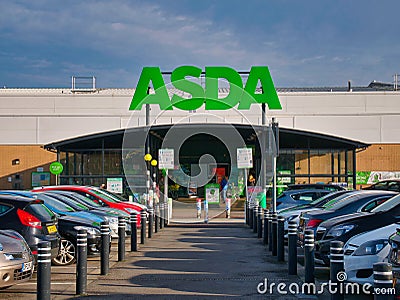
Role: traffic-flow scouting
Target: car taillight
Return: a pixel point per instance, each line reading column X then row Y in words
column 313, row 223
column 28, row 219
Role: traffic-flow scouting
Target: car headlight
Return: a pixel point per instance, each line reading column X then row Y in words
column 371, row 247
column 89, row 230
column 1, row 247
column 339, row 230
column 8, row 256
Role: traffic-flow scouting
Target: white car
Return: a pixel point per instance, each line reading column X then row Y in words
column 365, row 249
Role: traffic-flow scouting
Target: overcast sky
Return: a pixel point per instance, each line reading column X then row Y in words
column 304, row 43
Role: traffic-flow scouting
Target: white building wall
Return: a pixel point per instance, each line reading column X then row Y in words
column 41, row 116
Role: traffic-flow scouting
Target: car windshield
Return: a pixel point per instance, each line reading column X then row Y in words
column 104, row 196
column 67, row 200
column 55, row 204
column 40, row 211
column 324, row 199
column 387, row 205
column 83, row 199
column 339, row 201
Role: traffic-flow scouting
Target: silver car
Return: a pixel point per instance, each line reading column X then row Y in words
column 16, row 259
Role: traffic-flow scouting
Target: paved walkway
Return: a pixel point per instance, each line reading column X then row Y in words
column 210, row 261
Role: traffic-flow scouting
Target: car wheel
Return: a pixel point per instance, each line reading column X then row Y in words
column 66, row 255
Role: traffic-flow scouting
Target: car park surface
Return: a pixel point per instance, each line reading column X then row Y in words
column 16, row 259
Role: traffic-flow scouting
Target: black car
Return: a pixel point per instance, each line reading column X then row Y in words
column 394, row 255
column 344, row 227
column 32, row 219
column 322, row 186
column 351, row 202
column 386, row 185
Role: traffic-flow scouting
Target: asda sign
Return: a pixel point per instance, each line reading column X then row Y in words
column 240, row 95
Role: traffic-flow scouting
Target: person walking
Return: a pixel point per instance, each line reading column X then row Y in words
column 224, row 188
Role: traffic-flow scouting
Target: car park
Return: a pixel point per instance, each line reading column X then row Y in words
column 363, row 250
column 342, row 228
column 30, row 218
column 70, row 200
column 69, row 221
column 293, row 213
column 16, row 259
column 293, row 198
column 356, row 201
column 97, row 196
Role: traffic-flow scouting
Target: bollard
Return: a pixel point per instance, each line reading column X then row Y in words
column 259, row 222
column 105, row 248
column 162, row 214
column 274, row 232
column 133, row 221
column 309, row 256
column 265, row 235
column 250, row 217
column 270, row 231
column 246, row 212
column 198, row 208
column 43, row 271
column 81, row 262
column 143, row 227
column 281, row 238
column 151, row 219
column 156, row 217
column 167, row 212
column 292, row 248
column 205, row 211
column 337, row 267
column 121, row 238
column 383, row 281
column 228, row 208
column 255, row 214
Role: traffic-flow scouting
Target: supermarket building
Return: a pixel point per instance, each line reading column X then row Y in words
column 326, row 134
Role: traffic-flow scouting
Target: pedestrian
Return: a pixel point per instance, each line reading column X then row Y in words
column 103, row 186
column 252, row 180
column 224, row 188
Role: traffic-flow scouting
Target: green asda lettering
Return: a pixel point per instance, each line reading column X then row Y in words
column 209, row 95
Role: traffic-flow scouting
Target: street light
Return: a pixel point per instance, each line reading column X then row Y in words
column 147, row 159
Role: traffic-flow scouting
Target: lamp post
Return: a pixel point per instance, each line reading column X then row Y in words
column 147, row 159
column 154, row 165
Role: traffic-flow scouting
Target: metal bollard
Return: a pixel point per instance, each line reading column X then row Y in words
column 259, row 222
column 309, row 256
column 337, row 267
column 281, row 238
column 292, row 245
column 383, row 281
column 246, row 212
column 151, row 220
column 270, row 231
column 274, row 232
column 143, row 227
column 156, row 217
column 121, row 238
column 162, row 214
column 255, row 214
column 250, row 217
column 265, row 235
column 198, row 208
column 133, row 221
column 81, row 262
column 43, row 271
column 228, row 208
column 166, row 214
column 105, row 248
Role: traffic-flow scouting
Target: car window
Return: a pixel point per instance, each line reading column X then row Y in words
column 40, row 211
column 371, row 205
column 103, row 195
column 56, row 204
column 4, row 208
column 380, row 186
column 394, row 186
column 387, row 205
column 309, row 196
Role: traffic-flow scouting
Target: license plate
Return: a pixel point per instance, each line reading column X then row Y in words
column 26, row 267
column 52, row 229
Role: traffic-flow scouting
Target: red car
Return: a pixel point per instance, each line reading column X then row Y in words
column 100, row 197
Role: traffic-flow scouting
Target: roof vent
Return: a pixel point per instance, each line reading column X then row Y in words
column 83, row 84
